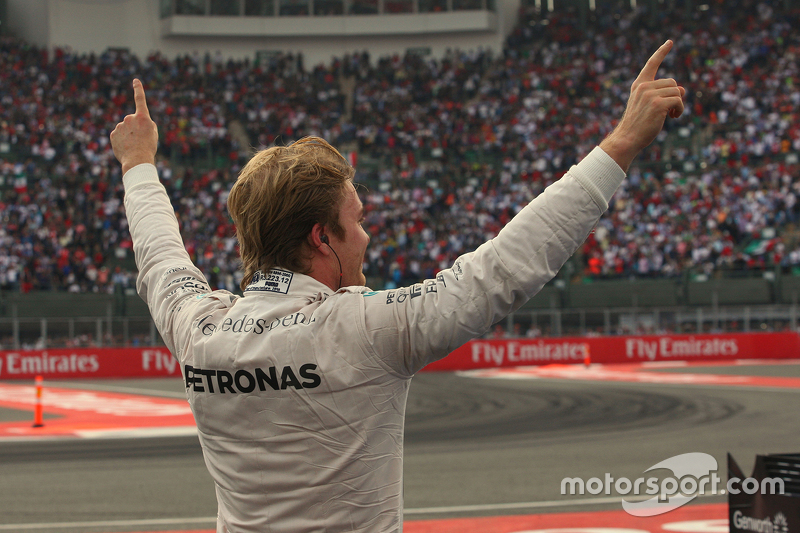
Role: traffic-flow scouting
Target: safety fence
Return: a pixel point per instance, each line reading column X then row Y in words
column 113, row 331
column 30, row 333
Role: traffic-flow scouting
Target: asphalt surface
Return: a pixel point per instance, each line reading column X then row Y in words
column 474, row 447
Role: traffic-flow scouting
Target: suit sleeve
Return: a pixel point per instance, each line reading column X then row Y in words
column 411, row 327
column 168, row 281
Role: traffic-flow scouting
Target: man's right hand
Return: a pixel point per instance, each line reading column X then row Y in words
column 135, row 139
column 650, row 103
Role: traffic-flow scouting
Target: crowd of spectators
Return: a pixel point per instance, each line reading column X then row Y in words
column 451, row 147
column 717, row 191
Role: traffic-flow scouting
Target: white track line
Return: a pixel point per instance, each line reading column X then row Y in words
column 422, row 510
column 534, row 505
column 138, row 433
column 114, row 388
column 110, row 434
column 110, row 523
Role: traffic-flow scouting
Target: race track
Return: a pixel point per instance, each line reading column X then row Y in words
column 475, row 447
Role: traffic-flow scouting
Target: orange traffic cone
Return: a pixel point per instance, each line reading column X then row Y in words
column 37, row 410
column 587, row 358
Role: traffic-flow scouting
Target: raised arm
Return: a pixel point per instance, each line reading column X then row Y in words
column 411, row 327
column 168, row 280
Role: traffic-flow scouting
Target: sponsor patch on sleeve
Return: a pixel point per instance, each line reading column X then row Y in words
column 275, row 280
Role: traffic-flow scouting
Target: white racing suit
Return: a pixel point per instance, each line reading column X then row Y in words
column 299, row 392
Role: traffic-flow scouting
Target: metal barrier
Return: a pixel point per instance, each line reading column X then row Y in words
column 559, row 322
column 44, row 333
column 124, row 332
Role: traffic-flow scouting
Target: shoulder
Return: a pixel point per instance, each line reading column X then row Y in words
column 210, row 303
column 354, row 290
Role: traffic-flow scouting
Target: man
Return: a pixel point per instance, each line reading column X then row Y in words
column 299, row 387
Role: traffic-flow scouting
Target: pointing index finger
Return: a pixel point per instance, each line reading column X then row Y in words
column 139, row 98
column 649, row 71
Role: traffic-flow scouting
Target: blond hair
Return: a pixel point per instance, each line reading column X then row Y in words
column 277, row 199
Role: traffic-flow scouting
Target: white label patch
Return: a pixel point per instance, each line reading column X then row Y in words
column 274, row 281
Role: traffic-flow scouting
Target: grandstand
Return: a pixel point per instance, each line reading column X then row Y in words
column 455, row 118
column 320, row 30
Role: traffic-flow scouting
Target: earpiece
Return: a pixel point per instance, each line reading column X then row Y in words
column 324, row 240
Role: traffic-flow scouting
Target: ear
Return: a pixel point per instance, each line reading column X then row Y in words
column 317, row 238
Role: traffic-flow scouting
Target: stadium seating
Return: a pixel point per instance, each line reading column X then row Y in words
column 450, row 148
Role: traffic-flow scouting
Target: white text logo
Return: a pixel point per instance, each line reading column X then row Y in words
column 693, row 474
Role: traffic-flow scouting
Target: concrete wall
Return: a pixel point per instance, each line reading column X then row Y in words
column 66, row 305
column 642, row 294
column 95, row 25
column 728, row 291
column 3, row 19
column 639, row 293
column 28, row 19
column 789, row 290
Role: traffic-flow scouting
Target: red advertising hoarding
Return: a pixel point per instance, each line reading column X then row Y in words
column 88, row 363
column 488, row 353
column 493, row 353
